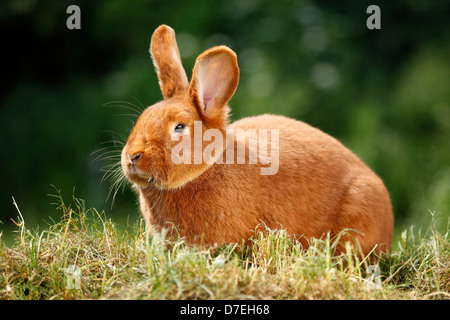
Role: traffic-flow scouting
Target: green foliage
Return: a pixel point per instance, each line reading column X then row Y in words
column 384, row 93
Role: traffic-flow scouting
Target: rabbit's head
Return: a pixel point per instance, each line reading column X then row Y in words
column 148, row 158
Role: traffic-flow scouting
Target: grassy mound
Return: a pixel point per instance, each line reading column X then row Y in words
column 85, row 256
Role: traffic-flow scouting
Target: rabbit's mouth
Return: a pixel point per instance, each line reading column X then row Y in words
column 137, row 176
column 139, row 179
column 143, row 180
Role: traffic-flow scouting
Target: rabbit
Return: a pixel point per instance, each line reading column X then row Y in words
column 319, row 186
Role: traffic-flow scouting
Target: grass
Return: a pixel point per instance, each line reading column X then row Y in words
column 84, row 256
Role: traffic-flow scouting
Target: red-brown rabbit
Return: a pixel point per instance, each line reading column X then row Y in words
column 316, row 185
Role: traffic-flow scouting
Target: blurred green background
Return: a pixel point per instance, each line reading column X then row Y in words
column 384, row 93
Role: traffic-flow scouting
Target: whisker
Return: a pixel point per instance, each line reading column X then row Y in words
column 111, row 153
column 126, row 105
column 138, row 101
column 120, row 185
column 120, row 102
column 114, row 156
column 117, row 138
column 119, row 179
column 108, row 155
column 113, row 173
column 125, row 115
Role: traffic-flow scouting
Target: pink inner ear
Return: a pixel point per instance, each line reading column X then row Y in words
column 211, row 81
column 206, row 100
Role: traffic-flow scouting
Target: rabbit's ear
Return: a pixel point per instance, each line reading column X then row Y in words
column 214, row 80
column 167, row 61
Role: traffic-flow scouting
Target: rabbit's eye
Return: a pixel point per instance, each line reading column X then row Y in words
column 179, row 128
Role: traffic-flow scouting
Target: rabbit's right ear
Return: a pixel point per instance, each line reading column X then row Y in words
column 214, row 80
column 167, row 61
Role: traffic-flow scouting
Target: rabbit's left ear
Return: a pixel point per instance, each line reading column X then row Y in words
column 214, row 80
column 167, row 61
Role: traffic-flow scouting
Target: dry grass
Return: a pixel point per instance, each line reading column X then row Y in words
column 132, row 265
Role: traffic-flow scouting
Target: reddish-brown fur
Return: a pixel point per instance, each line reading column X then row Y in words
column 320, row 186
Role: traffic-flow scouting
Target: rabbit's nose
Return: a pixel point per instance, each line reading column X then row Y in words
column 135, row 157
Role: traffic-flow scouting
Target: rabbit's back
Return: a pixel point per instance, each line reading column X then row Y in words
column 320, row 186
